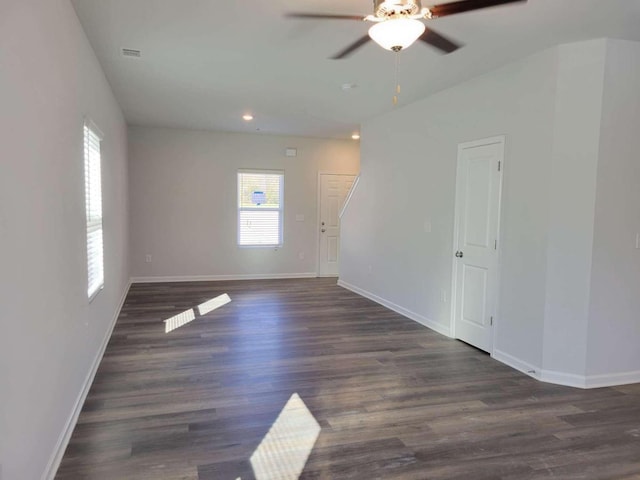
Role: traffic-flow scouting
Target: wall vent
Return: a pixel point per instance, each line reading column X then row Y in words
column 130, row 52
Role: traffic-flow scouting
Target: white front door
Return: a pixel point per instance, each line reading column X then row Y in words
column 333, row 192
column 477, row 222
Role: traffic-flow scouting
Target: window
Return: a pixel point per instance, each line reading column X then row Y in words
column 260, row 199
column 93, row 205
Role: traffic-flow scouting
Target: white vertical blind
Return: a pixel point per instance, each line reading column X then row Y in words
column 260, row 202
column 93, row 202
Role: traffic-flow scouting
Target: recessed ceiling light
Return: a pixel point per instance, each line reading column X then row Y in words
column 248, row 117
column 349, row 86
column 356, row 136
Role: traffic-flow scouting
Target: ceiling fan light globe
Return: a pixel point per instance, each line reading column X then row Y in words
column 397, row 33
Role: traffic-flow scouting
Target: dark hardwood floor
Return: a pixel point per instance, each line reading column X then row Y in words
column 393, row 400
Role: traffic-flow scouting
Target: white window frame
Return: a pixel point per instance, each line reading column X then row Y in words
column 280, row 208
column 93, row 207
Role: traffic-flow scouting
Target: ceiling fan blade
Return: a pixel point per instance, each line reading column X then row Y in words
column 322, row 16
column 351, row 48
column 466, row 6
column 436, row 40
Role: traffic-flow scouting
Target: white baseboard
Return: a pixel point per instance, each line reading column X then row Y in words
column 567, row 379
column 590, row 381
column 63, row 440
column 612, row 379
column 563, row 378
column 441, row 329
column 518, row 364
column 216, row 278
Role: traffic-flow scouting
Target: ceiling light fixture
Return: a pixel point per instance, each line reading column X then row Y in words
column 248, row 117
column 356, row 136
column 396, row 33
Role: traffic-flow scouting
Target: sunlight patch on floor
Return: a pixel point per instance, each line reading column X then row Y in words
column 188, row 316
column 177, row 321
column 284, row 450
column 214, row 303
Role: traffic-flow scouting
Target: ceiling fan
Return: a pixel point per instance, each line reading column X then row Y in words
column 397, row 23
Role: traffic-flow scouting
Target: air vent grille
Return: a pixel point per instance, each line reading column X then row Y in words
column 130, row 52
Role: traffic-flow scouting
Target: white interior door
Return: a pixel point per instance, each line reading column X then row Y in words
column 333, row 192
column 477, row 222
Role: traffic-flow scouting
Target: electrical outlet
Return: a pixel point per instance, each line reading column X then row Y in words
column 147, row 258
column 301, row 256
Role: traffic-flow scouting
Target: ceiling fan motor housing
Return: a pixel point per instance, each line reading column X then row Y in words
column 391, row 8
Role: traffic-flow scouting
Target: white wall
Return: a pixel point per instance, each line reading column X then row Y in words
column 614, row 315
column 408, row 177
column 569, row 307
column 183, row 200
column 580, row 84
column 49, row 80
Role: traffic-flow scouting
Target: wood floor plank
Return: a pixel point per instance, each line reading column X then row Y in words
column 393, row 400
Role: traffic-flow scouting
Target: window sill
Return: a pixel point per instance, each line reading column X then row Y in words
column 95, row 294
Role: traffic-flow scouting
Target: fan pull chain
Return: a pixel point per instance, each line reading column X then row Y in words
column 395, row 97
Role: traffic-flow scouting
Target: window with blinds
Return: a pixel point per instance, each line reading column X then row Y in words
column 93, row 204
column 260, row 201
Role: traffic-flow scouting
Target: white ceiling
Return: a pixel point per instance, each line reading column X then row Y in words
column 206, row 62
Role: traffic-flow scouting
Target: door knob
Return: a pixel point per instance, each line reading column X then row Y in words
column 459, row 254
column 323, row 230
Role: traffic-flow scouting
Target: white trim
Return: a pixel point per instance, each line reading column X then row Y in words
column 562, row 378
column 270, row 171
column 437, row 327
column 88, row 122
column 61, row 445
column 216, row 278
column 349, row 195
column 483, row 142
column 612, row 379
column 567, row 379
column 95, row 294
column 516, row 363
column 496, row 305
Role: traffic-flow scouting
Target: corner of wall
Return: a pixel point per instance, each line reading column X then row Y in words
column 577, row 119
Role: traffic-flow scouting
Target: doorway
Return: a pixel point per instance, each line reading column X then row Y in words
column 334, row 189
column 476, row 233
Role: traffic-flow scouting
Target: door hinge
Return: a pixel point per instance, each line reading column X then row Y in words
column 499, row 166
column 495, row 245
column 491, row 321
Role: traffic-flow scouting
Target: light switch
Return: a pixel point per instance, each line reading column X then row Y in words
column 299, row 217
column 427, row 226
column 638, row 241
